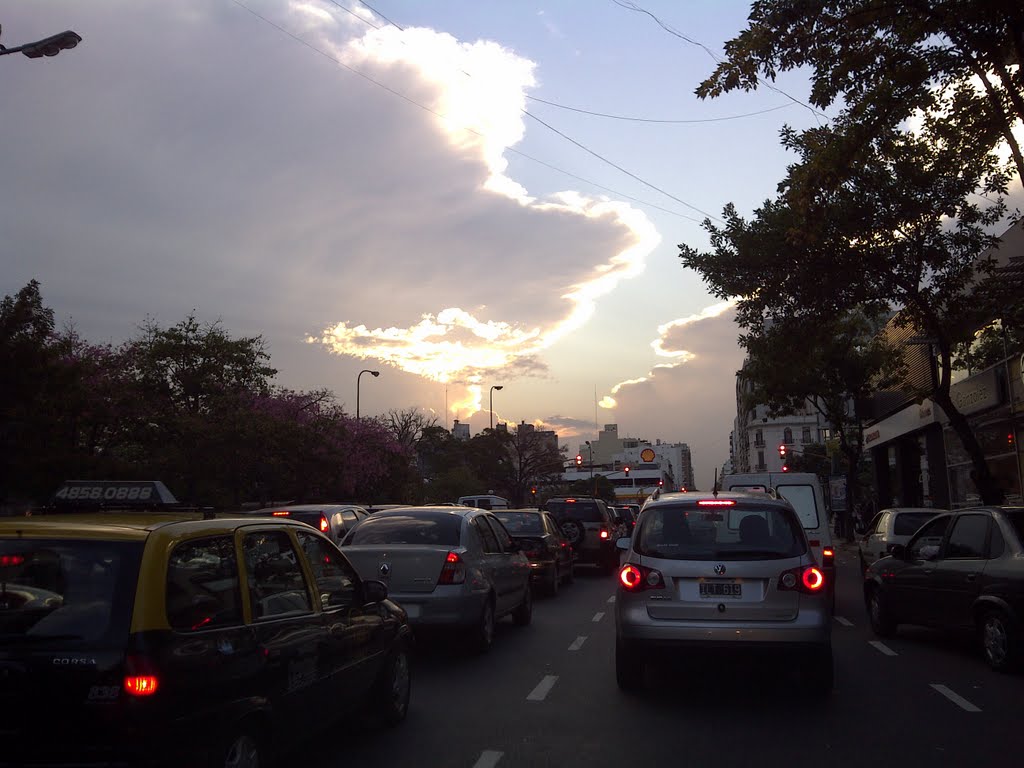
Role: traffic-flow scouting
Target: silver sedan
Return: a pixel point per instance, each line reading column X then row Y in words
column 451, row 567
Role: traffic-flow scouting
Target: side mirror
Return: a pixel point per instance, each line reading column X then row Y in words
column 623, row 543
column 374, row 591
column 899, row 551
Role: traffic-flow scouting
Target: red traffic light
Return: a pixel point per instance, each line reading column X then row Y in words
column 579, row 459
column 785, row 468
column 626, row 470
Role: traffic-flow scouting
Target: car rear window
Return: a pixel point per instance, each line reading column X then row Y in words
column 692, row 532
column 521, row 522
column 585, row 511
column 67, row 592
column 803, row 501
column 426, row 528
column 1016, row 518
column 906, row 523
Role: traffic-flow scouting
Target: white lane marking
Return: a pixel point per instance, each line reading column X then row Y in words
column 880, row 646
column 598, row 616
column 844, row 621
column 956, row 698
column 543, row 688
column 578, row 643
column 488, row 759
column 611, row 599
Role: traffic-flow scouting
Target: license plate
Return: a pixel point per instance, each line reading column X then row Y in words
column 729, row 589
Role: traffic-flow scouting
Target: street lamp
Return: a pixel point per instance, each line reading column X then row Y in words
column 375, row 374
column 491, row 393
column 593, row 482
column 48, row 46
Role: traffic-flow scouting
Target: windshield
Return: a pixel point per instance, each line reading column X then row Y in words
column 907, row 522
column 425, row 528
column 521, row 522
column 690, row 532
column 75, row 591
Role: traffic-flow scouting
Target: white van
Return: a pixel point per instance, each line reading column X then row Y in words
column 802, row 490
column 484, row 501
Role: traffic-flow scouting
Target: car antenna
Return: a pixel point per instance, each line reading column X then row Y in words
column 715, row 487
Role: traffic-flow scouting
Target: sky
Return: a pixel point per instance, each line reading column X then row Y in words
column 410, row 187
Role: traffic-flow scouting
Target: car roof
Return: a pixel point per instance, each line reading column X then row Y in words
column 126, row 526
column 676, row 497
column 455, row 511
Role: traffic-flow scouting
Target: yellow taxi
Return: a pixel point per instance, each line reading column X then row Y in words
column 134, row 631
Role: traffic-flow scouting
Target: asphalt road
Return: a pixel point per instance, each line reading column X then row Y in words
column 545, row 695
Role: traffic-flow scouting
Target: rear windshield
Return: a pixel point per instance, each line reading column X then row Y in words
column 66, row 591
column 426, row 528
column 521, row 522
column 690, row 532
column 586, row 511
column 803, row 501
column 1016, row 518
column 907, row 523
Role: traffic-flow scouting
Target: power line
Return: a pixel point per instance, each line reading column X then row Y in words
column 402, row 96
column 652, row 120
column 389, row 21
column 631, row 6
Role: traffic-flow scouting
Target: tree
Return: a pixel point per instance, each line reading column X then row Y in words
column 888, row 222
column 534, row 459
column 407, row 425
column 886, row 62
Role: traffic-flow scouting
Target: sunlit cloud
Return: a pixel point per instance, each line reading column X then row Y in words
column 659, row 345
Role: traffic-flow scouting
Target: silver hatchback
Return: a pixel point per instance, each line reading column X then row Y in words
column 729, row 571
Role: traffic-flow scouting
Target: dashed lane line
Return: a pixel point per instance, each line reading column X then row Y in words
column 598, row 616
column 578, row 643
column 488, row 759
column 611, row 599
column 543, row 688
column 956, row 698
column 844, row 621
column 883, row 648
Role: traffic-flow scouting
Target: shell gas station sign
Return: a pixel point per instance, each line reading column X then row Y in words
column 647, row 455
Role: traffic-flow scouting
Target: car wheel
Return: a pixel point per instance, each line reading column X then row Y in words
column 882, row 622
column 819, row 674
column 243, row 749
column 393, row 687
column 999, row 641
column 573, row 532
column 629, row 669
column 523, row 614
column 483, row 636
column 863, row 563
column 570, row 574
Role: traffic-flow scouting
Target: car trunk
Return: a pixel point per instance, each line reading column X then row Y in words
column 405, row 568
column 744, row 591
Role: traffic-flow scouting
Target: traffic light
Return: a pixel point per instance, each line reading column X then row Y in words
column 785, row 468
column 533, row 490
column 579, row 460
column 782, row 451
column 626, row 470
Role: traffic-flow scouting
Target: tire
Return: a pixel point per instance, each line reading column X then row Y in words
column 863, row 564
column 523, row 614
column 242, row 749
column 880, row 616
column 570, row 574
column 573, row 531
column 819, row 674
column 483, row 630
column 390, row 696
column 999, row 641
column 629, row 669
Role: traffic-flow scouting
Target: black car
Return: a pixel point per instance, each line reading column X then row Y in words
column 332, row 520
column 155, row 636
column 549, row 552
column 960, row 571
column 589, row 526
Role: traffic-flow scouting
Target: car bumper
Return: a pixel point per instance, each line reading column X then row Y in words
column 441, row 607
column 543, row 571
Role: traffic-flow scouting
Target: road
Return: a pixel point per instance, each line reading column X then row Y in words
column 546, row 696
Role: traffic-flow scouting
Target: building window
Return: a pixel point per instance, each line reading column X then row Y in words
column 760, row 460
column 758, row 438
column 787, row 436
column 806, row 436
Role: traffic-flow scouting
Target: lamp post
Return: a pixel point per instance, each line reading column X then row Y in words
column 375, row 374
column 593, row 482
column 48, row 46
column 491, row 393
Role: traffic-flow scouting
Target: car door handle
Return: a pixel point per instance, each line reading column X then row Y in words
column 928, row 571
column 971, row 577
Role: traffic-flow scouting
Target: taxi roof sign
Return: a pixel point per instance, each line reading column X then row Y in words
column 120, row 494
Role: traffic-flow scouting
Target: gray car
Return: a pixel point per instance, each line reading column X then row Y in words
column 889, row 528
column 731, row 571
column 448, row 567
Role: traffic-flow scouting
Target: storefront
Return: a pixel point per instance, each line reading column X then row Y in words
column 908, row 455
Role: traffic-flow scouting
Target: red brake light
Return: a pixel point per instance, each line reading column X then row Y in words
column 813, row 579
column 324, row 525
column 637, row 578
column 139, row 679
column 280, row 513
column 604, row 534
column 716, row 503
column 453, row 571
column 828, row 555
column 8, row 560
column 807, row 578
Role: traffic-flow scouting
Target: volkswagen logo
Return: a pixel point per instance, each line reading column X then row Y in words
column 385, row 569
column 720, row 569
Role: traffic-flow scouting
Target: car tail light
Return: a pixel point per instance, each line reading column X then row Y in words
column 716, row 503
column 828, row 557
column 806, row 578
column 140, row 678
column 280, row 513
column 637, row 578
column 9, row 560
column 604, row 533
column 324, row 525
column 453, row 571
